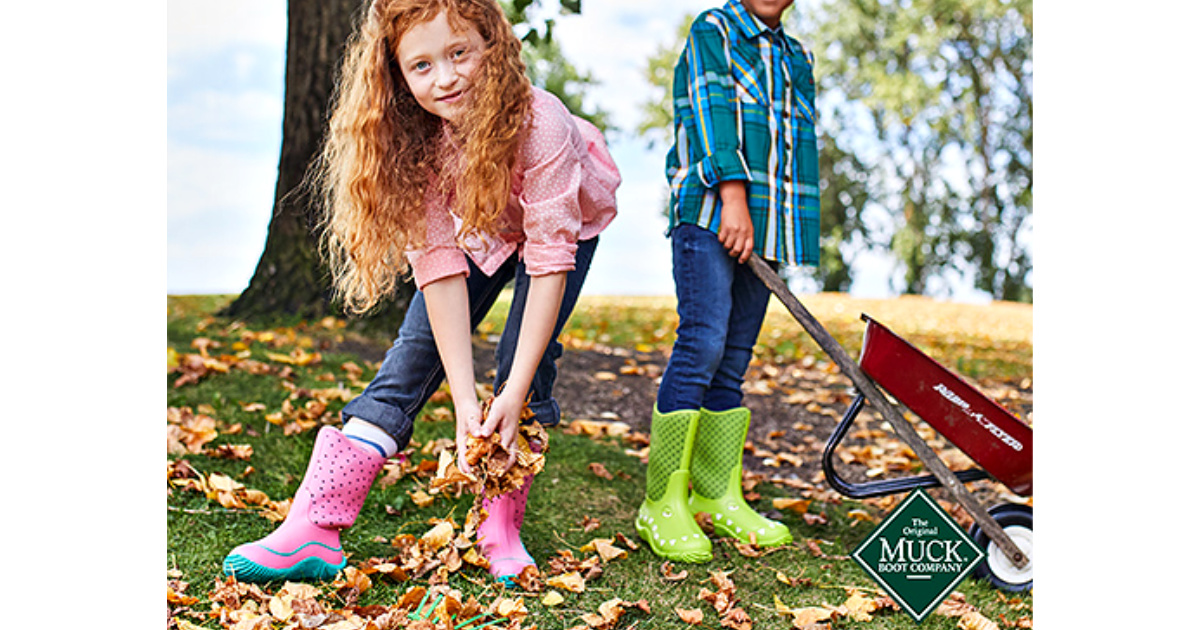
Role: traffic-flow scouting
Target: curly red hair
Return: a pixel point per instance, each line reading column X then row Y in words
column 383, row 153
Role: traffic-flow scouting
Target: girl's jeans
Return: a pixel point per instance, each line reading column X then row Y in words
column 412, row 369
column 721, row 307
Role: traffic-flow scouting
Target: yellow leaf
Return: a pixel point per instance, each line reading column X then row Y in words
column 438, row 537
column 509, row 608
column 420, row 498
column 355, row 579
column 279, row 609
column 611, row 611
column 858, row 607
column 975, row 620
column 604, row 376
column 222, row 483
column 799, row 506
column 604, row 548
column 568, row 581
column 809, row 615
column 473, row 557
column 553, row 598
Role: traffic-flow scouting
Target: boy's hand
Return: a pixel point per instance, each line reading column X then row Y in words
column 737, row 230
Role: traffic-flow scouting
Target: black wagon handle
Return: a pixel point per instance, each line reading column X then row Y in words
column 867, row 387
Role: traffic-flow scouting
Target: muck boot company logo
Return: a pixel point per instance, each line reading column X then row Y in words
column 918, row 554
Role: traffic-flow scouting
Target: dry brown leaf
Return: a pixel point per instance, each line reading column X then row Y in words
column 237, row 452
column 624, row 540
column 692, row 616
column 509, row 608
column 746, row 549
column 597, row 428
column 668, row 572
column 975, row 620
column 420, row 498
column 604, row 548
column 188, row 432
column 600, row 471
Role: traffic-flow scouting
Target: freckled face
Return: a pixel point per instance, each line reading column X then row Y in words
column 438, row 64
column 769, row 11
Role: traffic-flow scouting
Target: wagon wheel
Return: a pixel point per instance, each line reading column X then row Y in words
column 1017, row 521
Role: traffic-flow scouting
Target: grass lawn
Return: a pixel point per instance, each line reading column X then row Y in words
column 270, row 388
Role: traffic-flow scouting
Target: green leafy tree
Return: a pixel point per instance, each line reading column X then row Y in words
column 291, row 278
column 545, row 63
column 933, row 99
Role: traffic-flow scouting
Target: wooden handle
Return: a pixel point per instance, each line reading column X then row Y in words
column 902, row 427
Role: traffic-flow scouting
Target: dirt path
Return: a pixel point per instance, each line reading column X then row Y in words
column 795, row 408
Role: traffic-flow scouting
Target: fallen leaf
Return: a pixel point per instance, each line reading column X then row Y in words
column 622, row 539
column 437, row 537
column 420, row 498
column 572, row 581
column 239, row 452
column 802, row 617
column 692, row 616
column 975, row 620
column 600, row 471
column 553, row 598
column 604, row 548
column 748, row 550
column 668, row 572
column 857, row 607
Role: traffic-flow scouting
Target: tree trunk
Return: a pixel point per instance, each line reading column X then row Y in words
column 291, row 278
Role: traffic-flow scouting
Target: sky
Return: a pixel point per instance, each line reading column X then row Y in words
column 225, row 68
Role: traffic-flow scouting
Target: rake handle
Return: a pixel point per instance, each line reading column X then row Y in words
column 902, row 427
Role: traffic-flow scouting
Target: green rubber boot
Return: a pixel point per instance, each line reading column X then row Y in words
column 663, row 520
column 717, row 480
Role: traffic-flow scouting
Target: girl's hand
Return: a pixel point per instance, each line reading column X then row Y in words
column 468, row 422
column 504, row 417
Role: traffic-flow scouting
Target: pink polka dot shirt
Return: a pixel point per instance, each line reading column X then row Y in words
column 564, row 191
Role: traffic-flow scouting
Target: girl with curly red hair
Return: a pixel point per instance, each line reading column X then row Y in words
column 443, row 161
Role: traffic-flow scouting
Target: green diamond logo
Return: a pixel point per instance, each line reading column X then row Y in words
column 918, row 554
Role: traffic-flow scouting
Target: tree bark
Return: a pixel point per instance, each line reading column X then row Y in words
column 291, row 279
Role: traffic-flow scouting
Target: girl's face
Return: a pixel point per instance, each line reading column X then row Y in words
column 438, row 64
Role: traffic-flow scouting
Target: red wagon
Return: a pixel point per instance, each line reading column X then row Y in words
column 998, row 442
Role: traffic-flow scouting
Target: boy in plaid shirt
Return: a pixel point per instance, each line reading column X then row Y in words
column 743, row 176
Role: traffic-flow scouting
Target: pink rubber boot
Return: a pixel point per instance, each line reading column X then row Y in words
column 499, row 536
column 307, row 544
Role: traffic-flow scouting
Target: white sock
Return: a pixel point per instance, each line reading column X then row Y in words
column 370, row 438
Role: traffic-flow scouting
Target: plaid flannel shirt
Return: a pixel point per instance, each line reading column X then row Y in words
column 744, row 110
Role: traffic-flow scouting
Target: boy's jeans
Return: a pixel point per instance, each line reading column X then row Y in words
column 412, row 369
column 721, row 309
